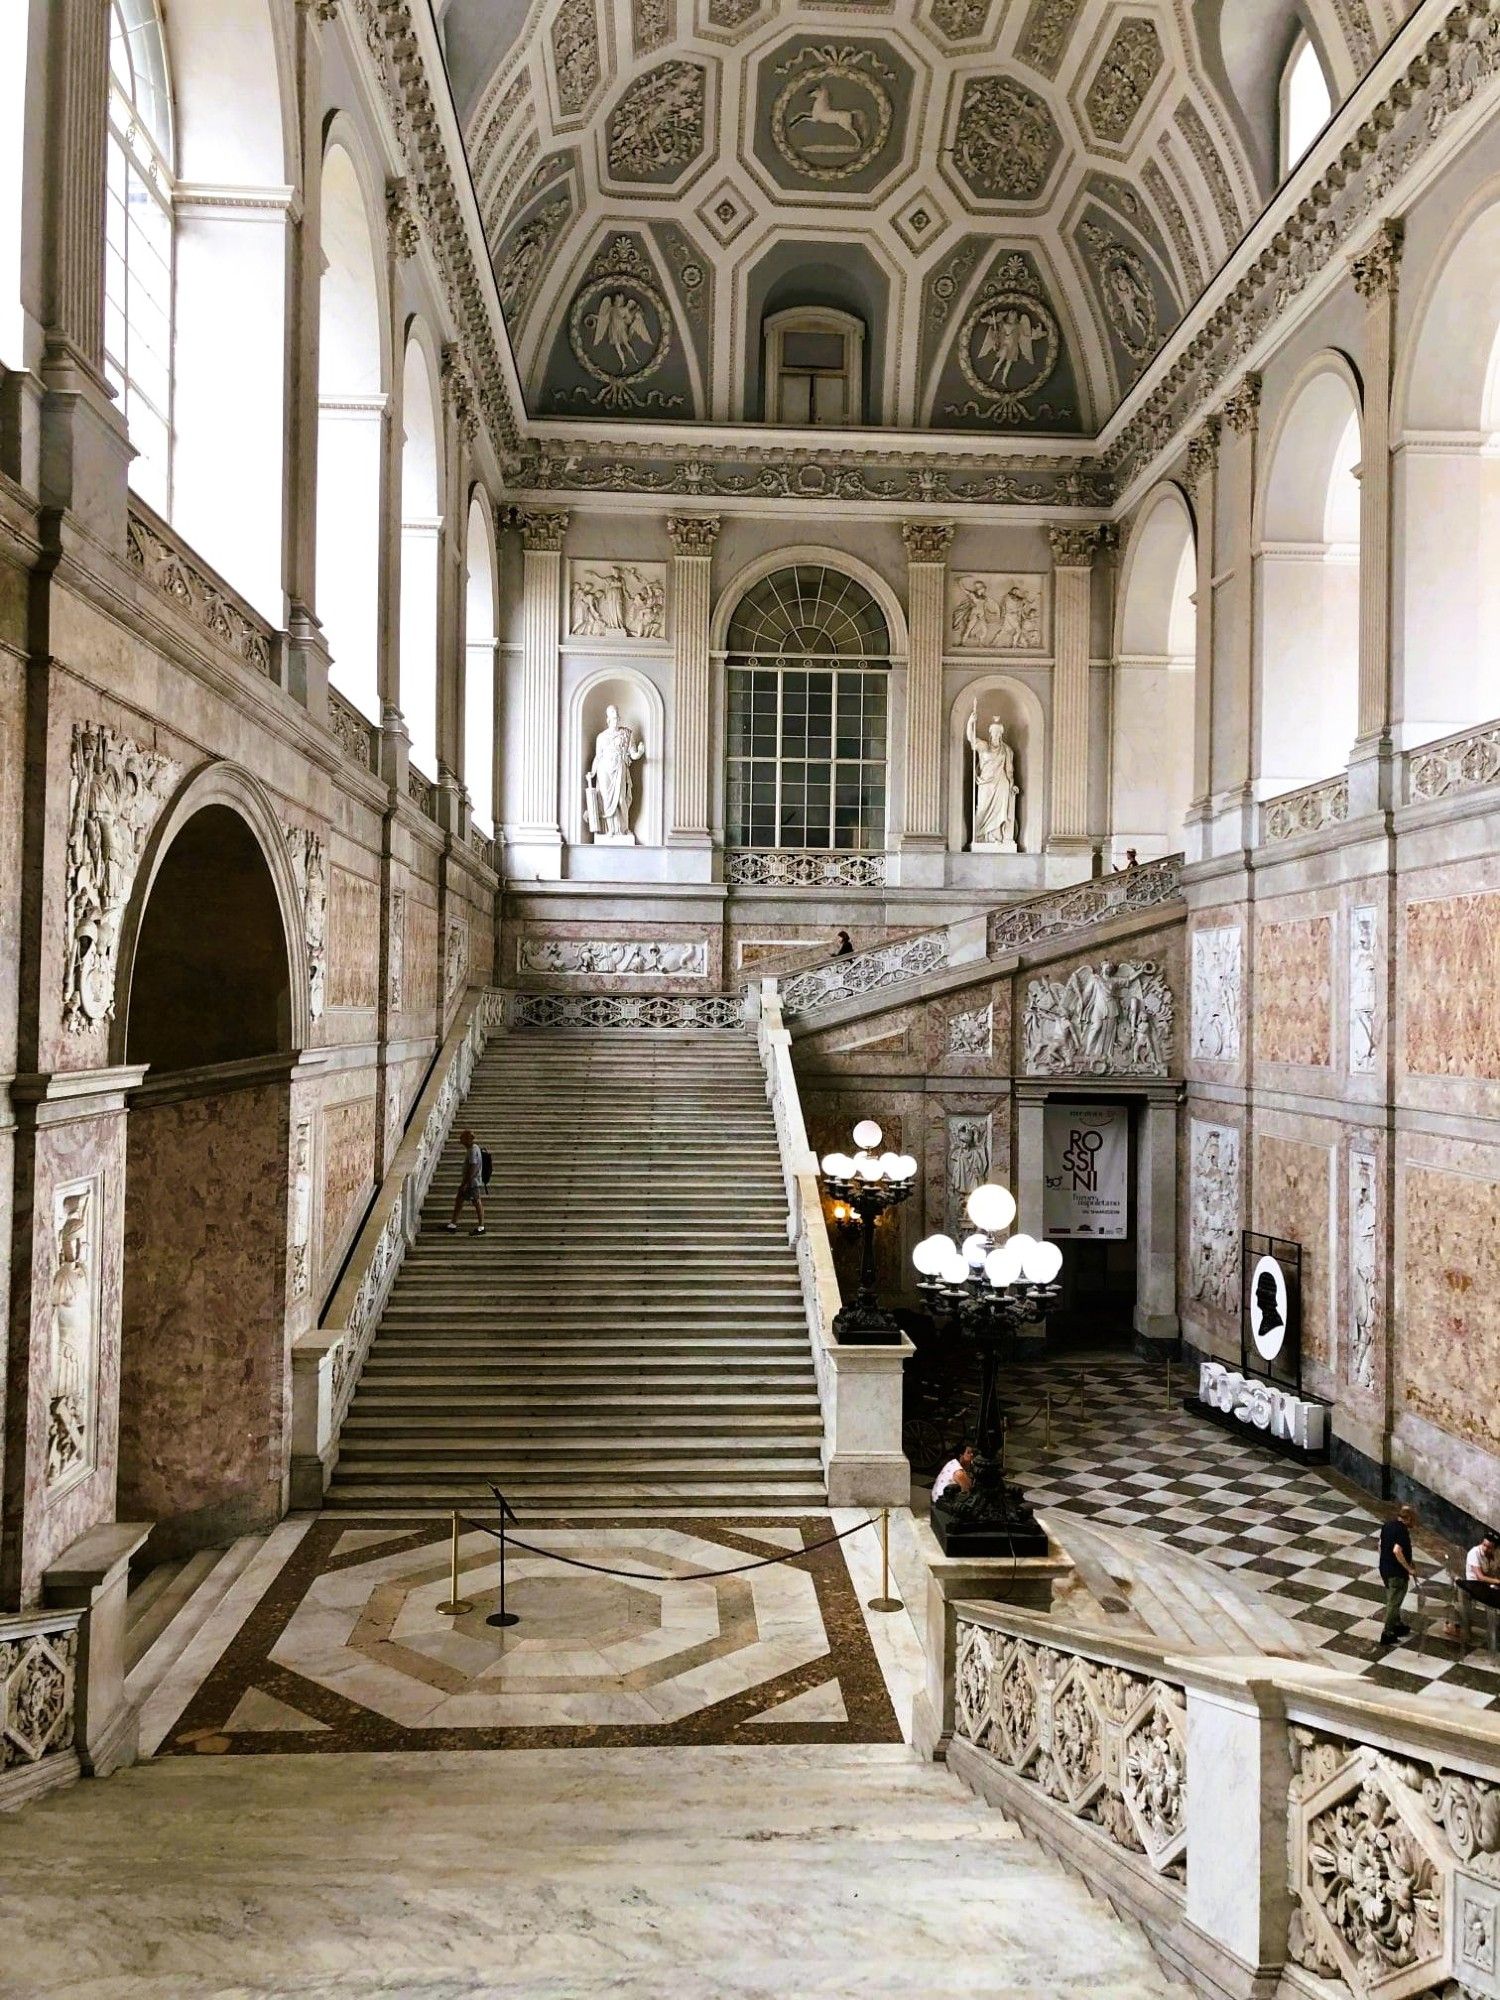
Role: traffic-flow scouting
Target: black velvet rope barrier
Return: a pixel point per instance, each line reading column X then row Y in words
column 651, row 1576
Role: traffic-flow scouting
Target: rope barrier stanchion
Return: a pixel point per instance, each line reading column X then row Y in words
column 1169, row 1381
column 656, row 1576
column 456, row 1605
column 503, row 1616
column 885, row 1601
column 1047, row 1434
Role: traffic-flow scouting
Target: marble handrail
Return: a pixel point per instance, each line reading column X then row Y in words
column 1306, row 810
column 1177, row 1780
column 859, row 1388
column 1467, row 762
column 170, row 567
column 38, row 1702
column 326, row 1362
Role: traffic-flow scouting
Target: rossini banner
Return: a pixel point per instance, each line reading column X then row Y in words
column 1086, row 1161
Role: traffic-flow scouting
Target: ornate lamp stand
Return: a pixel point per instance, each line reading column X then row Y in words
column 868, row 1185
column 989, row 1292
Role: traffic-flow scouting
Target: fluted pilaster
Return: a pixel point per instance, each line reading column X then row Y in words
column 541, row 631
column 927, row 546
column 1073, row 554
column 1376, row 272
column 693, row 537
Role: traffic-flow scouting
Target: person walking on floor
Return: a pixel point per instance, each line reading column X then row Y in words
column 470, row 1182
column 1397, row 1573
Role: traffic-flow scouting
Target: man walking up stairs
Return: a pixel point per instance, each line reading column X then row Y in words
column 630, row 1332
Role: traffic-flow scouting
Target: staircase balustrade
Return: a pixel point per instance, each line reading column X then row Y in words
column 859, row 1388
column 1255, row 1815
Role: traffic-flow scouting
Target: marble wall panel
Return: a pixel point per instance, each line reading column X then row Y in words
column 1291, row 1198
column 205, row 1387
column 969, row 1032
column 893, row 1043
column 348, row 1153
column 1450, row 964
column 420, row 976
column 353, row 939
column 1448, row 1294
column 1217, row 968
column 1294, row 991
column 758, row 950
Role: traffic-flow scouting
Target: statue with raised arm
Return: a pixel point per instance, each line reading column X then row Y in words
column 608, row 783
column 996, row 794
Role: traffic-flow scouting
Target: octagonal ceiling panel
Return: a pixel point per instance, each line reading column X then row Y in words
column 1112, row 150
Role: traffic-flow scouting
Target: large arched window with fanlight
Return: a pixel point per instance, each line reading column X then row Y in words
column 808, row 666
column 138, row 242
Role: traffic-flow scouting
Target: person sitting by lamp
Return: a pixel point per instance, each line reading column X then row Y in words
column 957, row 1476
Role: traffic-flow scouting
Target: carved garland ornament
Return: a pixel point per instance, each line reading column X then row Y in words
column 309, row 859
column 116, row 792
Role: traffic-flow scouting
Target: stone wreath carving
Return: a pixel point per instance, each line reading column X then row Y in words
column 1395, row 1868
column 1007, row 347
column 116, row 791
column 1107, row 1745
column 832, row 116
column 620, row 326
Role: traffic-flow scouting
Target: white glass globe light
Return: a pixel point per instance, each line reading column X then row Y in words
column 890, row 1166
column 975, row 1249
column 838, row 1166
column 906, row 1166
column 992, row 1208
column 1043, row 1263
column 1003, row 1266
column 867, row 1134
column 955, row 1270
column 932, row 1253
column 866, row 1167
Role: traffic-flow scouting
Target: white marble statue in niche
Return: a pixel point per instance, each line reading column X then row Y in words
column 997, row 614
column 618, row 601
column 996, row 795
column 1214, row 1216
column 1216, row 995
column 1114, row 1018
column 116, row 791
column 972, row 1034
column 633, row 958
column 608, row 785
column 968, row 1163
column 1363, row 1297
column 1363, row 991
column 72, row 1384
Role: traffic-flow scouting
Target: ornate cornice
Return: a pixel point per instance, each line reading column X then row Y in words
column 1203, row 453
column 693, row 534
column 542, row 529
column 1377, row 266
column 458, row 387
column 1242, row 405
column 927, row 541
column 1076, row 548
column 401, row 218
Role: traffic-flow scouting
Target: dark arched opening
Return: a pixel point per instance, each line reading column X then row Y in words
column 203, row 1367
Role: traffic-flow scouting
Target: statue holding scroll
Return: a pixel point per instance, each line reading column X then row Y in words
column 996, row 793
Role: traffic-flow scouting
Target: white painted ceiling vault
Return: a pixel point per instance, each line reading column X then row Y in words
column 1018, row 198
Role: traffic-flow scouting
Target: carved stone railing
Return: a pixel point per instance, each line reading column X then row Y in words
column 38, row 1702
column 803, row 868
column 1293, row 814
column 358, row 739
column 1060, row 912
column 169, row 566
column 623, row 1010
column 481, row 846
column 326, row 1364
column 859, row 1388
column 421, row 791
column 1177, row 1781
column 1469, row 762
column 863, row 972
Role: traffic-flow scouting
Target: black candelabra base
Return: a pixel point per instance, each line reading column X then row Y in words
column 988, row 1523
column 865, row 1323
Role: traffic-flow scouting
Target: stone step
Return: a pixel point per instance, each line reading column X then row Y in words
column 579, row 1496
column 159, row 1597
column 390, row 1409
column 196, row 1587
column 373, row 1456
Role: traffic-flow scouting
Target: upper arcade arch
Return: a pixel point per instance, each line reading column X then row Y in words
column 421, row 533
column 481, row 631
column 1151, row 747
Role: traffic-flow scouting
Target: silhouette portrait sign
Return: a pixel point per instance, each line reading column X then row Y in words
column 1271, row 1309
column 1268, row 1308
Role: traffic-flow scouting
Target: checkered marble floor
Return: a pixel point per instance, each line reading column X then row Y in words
column 1124, row 1457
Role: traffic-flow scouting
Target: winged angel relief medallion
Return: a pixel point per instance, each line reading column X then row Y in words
column 620, row 330
column 1008, row 348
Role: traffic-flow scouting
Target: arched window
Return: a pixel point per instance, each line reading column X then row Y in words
column 1151, row 752
column 479, row 666
column 814, row 366
column 138, row 242
column 808, row 662
column 1306, row 102
column 421, row 530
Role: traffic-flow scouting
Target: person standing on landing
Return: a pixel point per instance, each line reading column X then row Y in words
column 470, row 1183
column 1397, row 1572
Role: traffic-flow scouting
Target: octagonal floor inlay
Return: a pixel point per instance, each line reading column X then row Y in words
column 348, row 1649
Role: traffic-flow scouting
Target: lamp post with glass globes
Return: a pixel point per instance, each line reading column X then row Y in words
column 869, row 1185
column 990, row 1290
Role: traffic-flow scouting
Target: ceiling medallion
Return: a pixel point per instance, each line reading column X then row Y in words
column 1007, row 139
column 833, row 115
column 1008, row 347
column 620, row 327
column 1125, row 286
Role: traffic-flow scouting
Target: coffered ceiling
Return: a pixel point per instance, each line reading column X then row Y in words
column 1018, row 198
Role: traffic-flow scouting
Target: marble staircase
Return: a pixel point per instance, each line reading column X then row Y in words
column 629, row 1332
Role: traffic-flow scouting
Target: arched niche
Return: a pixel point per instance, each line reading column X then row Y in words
column 1445, row 638
column 1151, row 734
column 641, row 710
column 1307, row 582
column 421, row 531
column 480, row 633
column 216, row 1000
column 1004, row 699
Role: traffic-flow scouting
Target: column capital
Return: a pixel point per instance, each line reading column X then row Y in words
column 1242, row 405
column 401, row 217
column 542, row 529
column 1377, row 266
column 693, row 534
column 1203, row 453
column 1076, row 548
column 927, row 541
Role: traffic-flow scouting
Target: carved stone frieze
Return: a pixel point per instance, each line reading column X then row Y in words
column 1364, row 1259
column 396, row 950
column 1113, row 1018
column 299, row 1226
column 455, row 958
column 997, row 612
column 617, row 600
column 1217, row 997
column 971, row 1032
column 969, row 1160
column 623, row 958
column 116, row 792
column 74, row 1314
column 309, row 857
column 169, row 569
column 1364, row 989
column 1214, row 1215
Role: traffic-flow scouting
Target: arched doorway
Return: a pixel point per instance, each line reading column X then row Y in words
column 203, row 1362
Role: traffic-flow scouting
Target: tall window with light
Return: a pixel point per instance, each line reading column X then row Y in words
column 1306, row 102
column 808, row 668
column 138, row 242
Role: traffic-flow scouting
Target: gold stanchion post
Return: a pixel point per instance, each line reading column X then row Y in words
column 1169, row 1381
column 456, row 1605
column 885, row 1601
column 1047, row 1438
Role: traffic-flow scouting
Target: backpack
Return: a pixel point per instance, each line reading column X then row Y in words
column 486, row 1164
